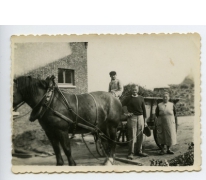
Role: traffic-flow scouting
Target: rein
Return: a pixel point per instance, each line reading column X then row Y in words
column 92, row 127
column 76, row 114
column 46, row 101
column 19, row 105
column 88, row 147
column 75, row 123
column 96, row 129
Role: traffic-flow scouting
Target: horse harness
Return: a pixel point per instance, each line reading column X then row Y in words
column 44, row 104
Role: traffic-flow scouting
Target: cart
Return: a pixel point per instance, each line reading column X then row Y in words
column 122, row 138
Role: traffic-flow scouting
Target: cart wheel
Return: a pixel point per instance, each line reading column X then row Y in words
column 99, row 148
column 122, row 135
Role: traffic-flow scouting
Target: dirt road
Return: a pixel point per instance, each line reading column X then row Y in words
column 84, row 158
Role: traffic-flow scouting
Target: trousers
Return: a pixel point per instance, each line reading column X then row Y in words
column 135, row 127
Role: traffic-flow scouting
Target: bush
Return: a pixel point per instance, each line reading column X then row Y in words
column 184, row 86
column 187, row 159
column 142, row 91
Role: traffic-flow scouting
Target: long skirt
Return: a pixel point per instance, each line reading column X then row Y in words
column 166, row 130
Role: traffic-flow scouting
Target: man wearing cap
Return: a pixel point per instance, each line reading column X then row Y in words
column 115, row 86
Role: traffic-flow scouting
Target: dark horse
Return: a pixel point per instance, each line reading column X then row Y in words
column 99, row 110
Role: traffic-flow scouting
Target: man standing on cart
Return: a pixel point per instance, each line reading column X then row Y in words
column 136, row 122
column 115, row 86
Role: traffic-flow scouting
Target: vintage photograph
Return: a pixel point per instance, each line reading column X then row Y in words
column 115, row 102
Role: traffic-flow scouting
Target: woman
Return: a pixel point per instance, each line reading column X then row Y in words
column 166, row 129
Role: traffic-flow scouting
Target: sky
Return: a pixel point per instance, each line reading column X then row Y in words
column 148, row 60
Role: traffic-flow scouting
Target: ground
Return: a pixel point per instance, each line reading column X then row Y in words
column 83, row 157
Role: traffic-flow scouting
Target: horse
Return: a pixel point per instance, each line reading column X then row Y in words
column 98, row 110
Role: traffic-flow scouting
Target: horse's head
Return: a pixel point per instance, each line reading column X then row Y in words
column 29, row 90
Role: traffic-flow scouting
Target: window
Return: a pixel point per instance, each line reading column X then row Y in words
column 66, row 77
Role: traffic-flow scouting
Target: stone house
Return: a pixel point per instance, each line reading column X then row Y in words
column 70, row 71
column 71, row 76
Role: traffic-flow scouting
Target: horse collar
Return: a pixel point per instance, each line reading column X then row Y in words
column 49, row 96
column 40, row 109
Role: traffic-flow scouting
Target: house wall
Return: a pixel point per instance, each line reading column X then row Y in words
column 77, row 60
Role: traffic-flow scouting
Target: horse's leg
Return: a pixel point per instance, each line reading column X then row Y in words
column 65, row 143
column 55, row 144
column 109, row 145
column 106, row 150
column 112, row 143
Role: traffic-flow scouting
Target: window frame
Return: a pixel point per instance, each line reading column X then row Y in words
column 64, row 84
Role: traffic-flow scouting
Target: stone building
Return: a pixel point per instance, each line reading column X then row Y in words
column 71, row 76
column 70, row 71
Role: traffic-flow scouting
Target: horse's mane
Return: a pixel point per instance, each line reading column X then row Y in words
column 28, row 86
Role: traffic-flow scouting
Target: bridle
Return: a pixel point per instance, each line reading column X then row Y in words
column 23, row 102
column 48, row 98
column 46, row 104
column 18, row 106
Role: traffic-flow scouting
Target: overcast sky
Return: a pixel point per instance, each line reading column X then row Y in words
column 149, row 60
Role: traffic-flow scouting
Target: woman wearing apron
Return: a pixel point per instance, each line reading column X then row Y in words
column 166, row 128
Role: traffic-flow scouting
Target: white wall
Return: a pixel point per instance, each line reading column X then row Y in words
column 30, row 56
